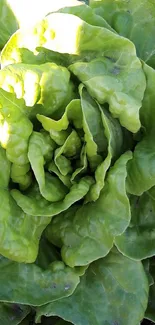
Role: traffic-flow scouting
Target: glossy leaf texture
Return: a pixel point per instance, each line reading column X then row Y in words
column 134, row 19
column 113, row 291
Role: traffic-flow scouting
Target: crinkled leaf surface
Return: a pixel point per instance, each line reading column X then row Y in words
column 138, row 241
column 112, row 291
column 134, row 19
column 87, row 233
column 29, row 284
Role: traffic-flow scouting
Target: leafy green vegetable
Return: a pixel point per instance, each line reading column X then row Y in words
column 77, row 162
column 114, row 290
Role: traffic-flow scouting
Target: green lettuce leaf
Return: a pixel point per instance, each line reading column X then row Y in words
column 138, row 241
column 47, row 85
column 87, row 233
column 8, row 22
column 134, row 19
column 13, row 313
column 19, row 232
column 114, row 290
column 141, row 170
column 150, row 312
column 31, row 285
column 38, row 206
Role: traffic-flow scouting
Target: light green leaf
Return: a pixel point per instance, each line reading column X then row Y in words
column 46, row 84
column 15, row 128
column 87, row 14
column 40, row 146
column 38, row 206
column 138, row 241
column 13, row 313
column 114, row 290
column 114, row 135
column 134, row 19
column 19, row 232
column 118, row 81
column 94, row 137
column 21, row 174
column 141, row 169
column 30, row 285
column 87, row 233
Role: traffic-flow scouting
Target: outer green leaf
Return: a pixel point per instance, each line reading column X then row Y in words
column 141, row 169
column 134, row 19
column 38, row 206
column 19, row 232
column 30, row 285
column 47, row 84
column 114, row 290
column 87, row 14
column 138, row 241
column 87, row 233
column 13, row 313
column 118, row 81
column 8, row 22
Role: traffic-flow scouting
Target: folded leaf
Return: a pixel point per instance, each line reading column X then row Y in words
column 87, row 233
column 114, row 290
column 31, row 285
column 38, row 206
column 138, row 241
column 110, row 79
column 134, row 19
